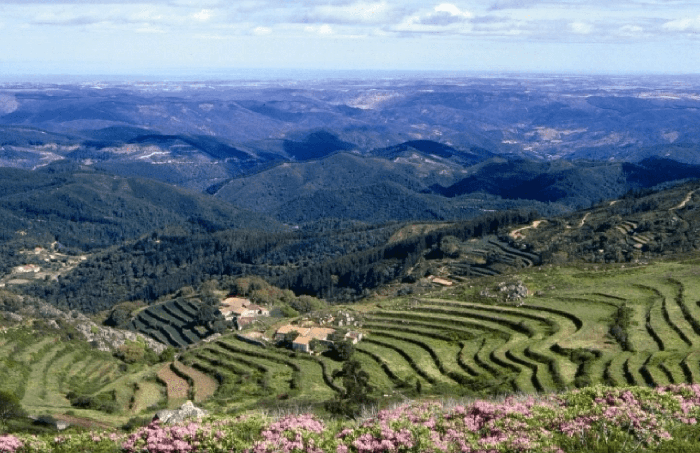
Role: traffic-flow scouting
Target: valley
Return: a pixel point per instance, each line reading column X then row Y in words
column 257, row 247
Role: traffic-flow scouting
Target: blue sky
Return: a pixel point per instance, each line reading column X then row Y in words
column 186, row 36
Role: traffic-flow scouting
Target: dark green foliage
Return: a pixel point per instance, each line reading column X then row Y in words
column 288, row 339
column 341, row 349
column 318, row 346
column 335, row 266
column 104, row 402
column 85, row 209
column 638, row 227
column 306, row 304
column 288, row 312
column 10, row 408
column 120, row 315
column 355, row 391
column 9, row 301
column 136, row 422
column 315, row 145
column 620, row 323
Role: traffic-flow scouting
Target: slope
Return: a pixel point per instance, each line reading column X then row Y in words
column 87, row 209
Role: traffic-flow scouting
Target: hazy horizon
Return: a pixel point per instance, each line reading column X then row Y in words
column 186, row 38
column 282, row 75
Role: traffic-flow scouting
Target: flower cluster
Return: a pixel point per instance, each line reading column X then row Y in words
column 300, row 433
column 617, row 419
column 156, row 438
column 10, row 444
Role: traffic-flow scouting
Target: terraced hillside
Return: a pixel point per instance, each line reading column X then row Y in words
column 46, row 372
column 616, row 324
column 639, row 226
column 581, row 325
column 247, row 372
column 173, row 323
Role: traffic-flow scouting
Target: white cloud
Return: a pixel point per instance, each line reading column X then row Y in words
column 150, row 30
column 443, row 18
column 262, row 31
column 581, row 28
column 324, row 29
column 146, row 15
column 631, row 30
column 360, row 12
column 66, row 16
column 197, row 3
column 689, row 24
column 213, row 36
column 203, row 16
column 453, row 10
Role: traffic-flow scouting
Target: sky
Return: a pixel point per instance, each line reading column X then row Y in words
column 85, row 37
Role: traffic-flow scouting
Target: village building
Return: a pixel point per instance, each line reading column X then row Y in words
column 306, row 334
column 27, row 268
column 241, row 311
column 354, row 336
column 244, row 321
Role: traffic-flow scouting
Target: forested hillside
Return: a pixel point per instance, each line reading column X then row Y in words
column 338, row 265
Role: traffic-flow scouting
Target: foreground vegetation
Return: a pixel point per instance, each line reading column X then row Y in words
column 595, row 419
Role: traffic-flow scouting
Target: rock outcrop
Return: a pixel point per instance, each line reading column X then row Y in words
column 187, row 411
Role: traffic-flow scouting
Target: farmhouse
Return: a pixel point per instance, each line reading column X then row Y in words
column 354, row 336
column 27, row 268
column 238, row 308
column 306, row 335
column 243, row 321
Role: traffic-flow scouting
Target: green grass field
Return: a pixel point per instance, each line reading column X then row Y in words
column 42, row 370
column 450, row 342
column 457, row 342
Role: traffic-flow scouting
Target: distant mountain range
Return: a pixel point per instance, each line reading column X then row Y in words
column 370, row 151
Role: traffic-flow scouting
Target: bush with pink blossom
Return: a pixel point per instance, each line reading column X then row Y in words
column 10, row 444
column 587, row 420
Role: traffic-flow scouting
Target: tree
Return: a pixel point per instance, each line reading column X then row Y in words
column 10, row 408
column 341, row 350
column 119, row 317
column 131, row 352
column 168, row 354
column 355, row 393
column 288, row 340
column 317, row 345
column 207, row 314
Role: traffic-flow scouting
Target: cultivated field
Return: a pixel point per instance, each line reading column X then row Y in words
column 172, row 323
column 44, row 371
column 581, row 325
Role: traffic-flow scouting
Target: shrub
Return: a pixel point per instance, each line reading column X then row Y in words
column 355, row 392
column 10, row 407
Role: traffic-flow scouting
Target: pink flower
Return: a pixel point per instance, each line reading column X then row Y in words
column 10, row 444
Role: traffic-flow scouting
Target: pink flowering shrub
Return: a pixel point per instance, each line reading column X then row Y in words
column 300, row 433
column 637, row 416
column 592, row 419
column 217, row 436
column 479, row 427
column 10, row 444
column 68, row 443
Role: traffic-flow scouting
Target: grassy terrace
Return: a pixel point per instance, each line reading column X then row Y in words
column 450, row 342
column 42, row 369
